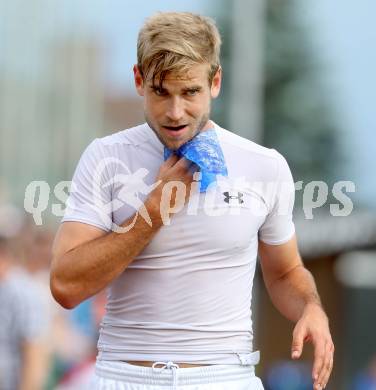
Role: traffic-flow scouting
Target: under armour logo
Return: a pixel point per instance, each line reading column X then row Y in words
column 239, row 197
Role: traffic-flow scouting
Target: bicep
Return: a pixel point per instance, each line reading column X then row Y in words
column 277, row 260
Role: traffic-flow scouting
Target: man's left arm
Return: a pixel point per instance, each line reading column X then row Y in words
column 293, row 291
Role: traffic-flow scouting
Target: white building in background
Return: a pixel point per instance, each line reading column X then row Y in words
column 52, row 98
column 51, row 95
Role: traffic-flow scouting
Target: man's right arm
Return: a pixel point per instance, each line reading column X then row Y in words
column 87, row 259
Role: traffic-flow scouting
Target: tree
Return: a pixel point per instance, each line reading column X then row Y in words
column 297, row 115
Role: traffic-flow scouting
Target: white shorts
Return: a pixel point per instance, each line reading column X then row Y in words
column 165, row 376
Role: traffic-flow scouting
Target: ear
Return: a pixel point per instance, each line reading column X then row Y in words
column 138, row 80
column 216, row 83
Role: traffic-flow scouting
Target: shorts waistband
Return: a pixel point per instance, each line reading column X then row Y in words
column 169, row 373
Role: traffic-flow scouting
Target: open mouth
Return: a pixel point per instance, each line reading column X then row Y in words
column 175, row 128
column 175, row 131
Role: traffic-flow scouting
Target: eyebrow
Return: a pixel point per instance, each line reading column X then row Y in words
column 187, row 89
column 193, row 88
column 156, row 87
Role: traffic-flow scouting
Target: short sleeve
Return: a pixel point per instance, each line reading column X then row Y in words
column 90, row 197
column 278, row 226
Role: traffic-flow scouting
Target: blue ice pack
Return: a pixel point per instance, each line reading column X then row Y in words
column 205, row 151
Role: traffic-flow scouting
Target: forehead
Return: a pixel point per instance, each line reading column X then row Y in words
column 196, row 75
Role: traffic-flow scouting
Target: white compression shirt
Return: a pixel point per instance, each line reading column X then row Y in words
column 187, row 296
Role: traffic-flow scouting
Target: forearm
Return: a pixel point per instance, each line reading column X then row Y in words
column 88, row 268
column 292, row 292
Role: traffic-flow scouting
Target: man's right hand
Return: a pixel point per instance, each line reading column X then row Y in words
column 175, row 178
column 87, row 259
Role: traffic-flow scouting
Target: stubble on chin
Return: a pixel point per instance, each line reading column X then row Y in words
column 204, row 120
column 150, row 124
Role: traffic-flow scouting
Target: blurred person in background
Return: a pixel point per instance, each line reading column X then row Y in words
column 179, row 300
column 86, row 320
column 23, row 326
column 71, row 335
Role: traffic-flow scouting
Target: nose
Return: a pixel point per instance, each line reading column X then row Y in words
column 175, row 110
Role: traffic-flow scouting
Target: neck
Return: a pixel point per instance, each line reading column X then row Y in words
column 209, row 125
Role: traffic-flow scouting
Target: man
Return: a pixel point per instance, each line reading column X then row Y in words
column 23, row 352
column 170, row 216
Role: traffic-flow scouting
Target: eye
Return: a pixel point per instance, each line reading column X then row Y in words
column 192, row 92
column 159, row 91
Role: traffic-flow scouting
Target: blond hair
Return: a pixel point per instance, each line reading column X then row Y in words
column 174, row 41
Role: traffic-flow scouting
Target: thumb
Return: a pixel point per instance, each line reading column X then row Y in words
column 297, row 344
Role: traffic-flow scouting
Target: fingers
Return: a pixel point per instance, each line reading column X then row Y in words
column 323, row 363
column 171, row 161
column 175, row 169
column 183, row 163
column 182, row 171
column 323, row 356
column 313, row 327
column 176, row 177
column 297, row 343
column 178, row 163
column 318, row 363
column 326, row 369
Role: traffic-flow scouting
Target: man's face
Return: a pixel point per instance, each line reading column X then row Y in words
column 181, row 108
